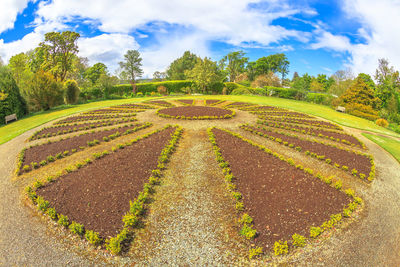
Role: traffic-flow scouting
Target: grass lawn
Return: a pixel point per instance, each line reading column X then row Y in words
column 8, row 132
column 390, row 145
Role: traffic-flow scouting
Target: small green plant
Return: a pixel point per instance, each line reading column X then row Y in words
column 246, row 219
column 93, row 237
column 50, row 159
column 338, row 184
column 42, row 204
column 344, row 167
column 63, row 220
column 43, row 163
column 26, row 168
column 35, row 165
column 254, row 252
column 281, row 248
column 38, row 184
column 52, row 213
column 59, row 155
column 236, row 195
column 350, row 192
column 239, row 206
column 354, row 172
column 328, row 161
column 248, row 231
column 76, row 228
column 346, row 213
column 130, row 220
column 299, row 240
column 315, row 231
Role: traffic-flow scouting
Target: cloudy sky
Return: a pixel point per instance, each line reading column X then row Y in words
column 317, row 36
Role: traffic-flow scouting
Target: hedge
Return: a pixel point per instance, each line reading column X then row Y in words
column 172, row 86
column 318, row 98
column 289, row 93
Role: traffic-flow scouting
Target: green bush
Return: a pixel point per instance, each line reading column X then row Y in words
column 299, row 240
column 71, row 92
column 143, row 88
column 93, row 237
column 76, row 228
column 281, row 247
column 289, row 93
column 248, row 232
column 318, row 98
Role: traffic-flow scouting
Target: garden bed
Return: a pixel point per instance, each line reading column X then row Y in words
column 161, row 103
column 315, row 123
column 98, row 195
column 110, row 111
column 81, row 118
column 186, row 101
column 282, row 200
column 239, row 105
column 282, row 114
column 359, row 164
column 42, row 154
column 213, row 102
column 135, row 106
column 196, row 112
column 262, row 108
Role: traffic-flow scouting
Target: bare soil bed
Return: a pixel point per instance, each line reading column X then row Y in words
column 195, row 111
column 315, row 123
column 98, row 195
column 81, row 118
column 136, row 106
column 186, row 101
column 343, row 157
column 262, row 108
column 282, row 113
column 335, row 136
column 281, row 199
column 79, row 142
column 240, row 105
column 210, row 102
column 110, row 111
column 64, row 129
column 162, row 103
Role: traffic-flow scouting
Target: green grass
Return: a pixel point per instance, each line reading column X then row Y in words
column 14, row 129
column 390, row 145
column 9, row 131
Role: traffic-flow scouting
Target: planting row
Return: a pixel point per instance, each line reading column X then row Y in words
column 239, row 105
column 196, row 113
column 331, row 135
column 111, row 111
column 106, row 198
column 187, row 102
column 281, row 114
column 280, row 204
column 81, row 118
column 262, row 108
column 213, row 102
column 315, row 123
column 69, row 128
column 359, row 164
column 161, row 103
column 135, row 106
column 43, row 154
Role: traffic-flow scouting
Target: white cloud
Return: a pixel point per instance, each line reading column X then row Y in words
column 9, row 9
column 326, row 39
column 28, row 42
column 106, row 48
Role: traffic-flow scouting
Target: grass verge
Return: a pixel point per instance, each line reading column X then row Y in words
column 390, row 145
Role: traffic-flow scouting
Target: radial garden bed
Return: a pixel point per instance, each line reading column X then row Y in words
column 81, row 118
column 213, row 102
column 186, row 101
column 196, row 112
column 162, row 103
column 315, row 123
column 277, row 199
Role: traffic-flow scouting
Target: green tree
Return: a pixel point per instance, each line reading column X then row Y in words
column 251, row 70
column 11, row 100
column 316, row 86
column 178, row 68
column 105, row 84
column 302, row 83
column 205, row 74
column 388, row 83
column 342, row 80
column 59, row 51
column 18, row 65
column 44, row 92
column 159, row 76
column 93, row 73
column 132, row 67
column 277, row 63
column 235, row 64
column 71, row 90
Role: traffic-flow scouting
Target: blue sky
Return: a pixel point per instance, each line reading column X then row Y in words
column 316, row 36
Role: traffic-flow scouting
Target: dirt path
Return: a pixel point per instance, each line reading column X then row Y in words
column 190, row 221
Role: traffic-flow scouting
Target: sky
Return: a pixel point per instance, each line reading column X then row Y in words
column 316, row 36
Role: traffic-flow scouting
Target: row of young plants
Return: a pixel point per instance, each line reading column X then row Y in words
column 323, row 133
column 262, row 108
column 323, row 157
column 217, row 102
column 71, row 128
column 21, row 168
column 245, row 221
column 186, row 102
column 130, row 106
column 290, row 114
column 240, row 105
column 161, row 103
column 82, row 118
column 138, row 206
column 314, row 123
column 227, row 116
column 111, row 111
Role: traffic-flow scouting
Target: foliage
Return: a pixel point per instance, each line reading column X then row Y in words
column 71, row 91
column 162, row 90
column 93, row 237
column 235, row 64
column 177, row 69
column 94, row 72
column 315, row 231
column 277, row 63
column 11, row 100
column 76, row 228
column 280, row 248
column 382, row 122
column 317, row 98
column 132, row 67
column 172, row 87
column 269, row 79
column 159, row 76
column 248, row 231
column 284, row 92
column 253, row 252
column 298, row 240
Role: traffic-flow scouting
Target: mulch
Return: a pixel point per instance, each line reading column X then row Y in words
column 195, row 111
column 340, row 156
column 281, row 199
column 98, row 194
column 41, row 152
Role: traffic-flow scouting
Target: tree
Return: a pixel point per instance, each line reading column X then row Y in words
column 18, row 65
column 251, row 70
column 205, row 74
column 93, row 73
column 342, row 80
column 11, row 100
column 178, row 68
column 277, row 63
column 302, row 83
column 316, row 86
column 266, row 80
column 44, row 92
column 1, row 62
column 59, row 50
column 295, row 76
column 132, row 67
column 71, row 92
column 105, row 84
column 159, row 76
column 388, row 82
column 235, row 64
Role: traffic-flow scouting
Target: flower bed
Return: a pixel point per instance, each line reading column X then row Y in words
column 111, row 111
column 282, row 114
column 331, row 135
column 213, row 102
column 187, row 102
column 106, row 197
column 280, row 204
column 315, row 123
column 42, row 154
column 239, row 105
column 69, row 128
column 359, row 164
column 196, row 113
column 81, row 118
column 262, row 108
column 135, row 106
column 161, row 103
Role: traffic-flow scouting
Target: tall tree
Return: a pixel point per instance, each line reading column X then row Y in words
column 205, row 73
column 93, row 73
column 132, row 67
column 388, row 82
column 251, row 70
column 59, row 50
column 235, row 64
column 342, row 81
column 18, row 65
column 177, row 69
column 159, row 76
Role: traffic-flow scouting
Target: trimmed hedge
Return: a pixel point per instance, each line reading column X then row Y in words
column 289, row 93
column 172, row 87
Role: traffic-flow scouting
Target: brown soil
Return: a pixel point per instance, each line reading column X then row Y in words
column 283, row 113
column 262, row 108
column 281, row 199
column 110, row 111
column 160, row 103
column 240, row 104
column 186, row 101
column 212, row 101
column 133, row 106
column 90, row 118
column 340, row 156
column 315, row 132
column 98, row 195
column 41, row 152
column 315, row 123
column 195, row 111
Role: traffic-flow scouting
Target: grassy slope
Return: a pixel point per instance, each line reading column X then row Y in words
column 390, row 145
column 8, row 132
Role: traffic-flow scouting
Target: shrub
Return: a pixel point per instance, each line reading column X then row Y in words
column 63, row 220
column 162, row 90
column 43, row 205
column 93, row 237
column 299, row 240
column 71, row 92
column 382, row 122
column 248, row 231
column 26, row 168
column 130, row 220
column 76, row 228
column 280, row 248
column 315, row 231
column 50, row 158
column 52, row 213
column 338, row 184
column 246, row 219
